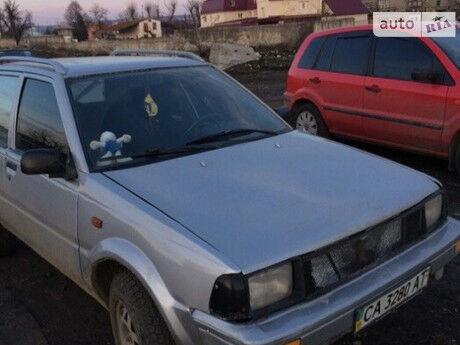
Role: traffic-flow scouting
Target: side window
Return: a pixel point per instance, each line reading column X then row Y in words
column 324, row 60
column 398, row 58
column 39, row 123
column 9, row 87
column 351, row 55
column 311, row 53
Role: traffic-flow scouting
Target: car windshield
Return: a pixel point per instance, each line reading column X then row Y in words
column 140, row 117
column 451, row 46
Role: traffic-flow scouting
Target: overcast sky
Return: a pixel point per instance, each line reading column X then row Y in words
column 52, row 11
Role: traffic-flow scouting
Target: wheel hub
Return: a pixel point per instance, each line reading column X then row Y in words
column 306, row 122
column 126, row 326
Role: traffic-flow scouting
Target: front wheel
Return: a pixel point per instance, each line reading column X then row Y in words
column 134, row 317
column 306, row 118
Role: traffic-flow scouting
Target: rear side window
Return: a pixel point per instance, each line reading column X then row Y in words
column 398, row 58
column 351, row 55
column 324, row 60
column 311, row 53
column 39, row 123
column 9, row 87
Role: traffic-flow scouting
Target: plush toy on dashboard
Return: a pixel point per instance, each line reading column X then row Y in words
column 110, row 144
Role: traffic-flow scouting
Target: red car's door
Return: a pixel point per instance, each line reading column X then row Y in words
column 405, row 95
column 339, row 80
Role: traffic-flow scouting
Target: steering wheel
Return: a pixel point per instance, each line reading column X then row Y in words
column 204, row 121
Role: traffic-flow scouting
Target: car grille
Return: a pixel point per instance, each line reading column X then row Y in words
column 334, row 265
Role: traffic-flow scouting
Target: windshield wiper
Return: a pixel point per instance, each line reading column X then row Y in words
column 229, row 133
column 156, row 152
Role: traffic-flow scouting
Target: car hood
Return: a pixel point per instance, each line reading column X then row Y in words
column 265, row 201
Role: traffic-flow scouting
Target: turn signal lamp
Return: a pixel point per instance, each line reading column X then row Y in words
column 295, row 342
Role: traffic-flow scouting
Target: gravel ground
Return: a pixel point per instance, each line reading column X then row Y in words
column 39, row 306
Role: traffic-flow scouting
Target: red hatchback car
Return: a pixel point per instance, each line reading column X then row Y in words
column 402, row 92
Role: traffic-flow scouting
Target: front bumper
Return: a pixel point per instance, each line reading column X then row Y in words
column 331, row 316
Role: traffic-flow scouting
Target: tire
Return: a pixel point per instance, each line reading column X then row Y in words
column 308, row 119
column 7, row 242
column 133, row 314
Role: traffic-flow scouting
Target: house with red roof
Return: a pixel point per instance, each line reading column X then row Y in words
column 218, row 12
column 346, row 9
column 282, row 10
column 132, row 29
column 252, row 12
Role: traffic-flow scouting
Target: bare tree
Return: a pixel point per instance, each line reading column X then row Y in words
column 131, row 12
column 15, row 22
column 171, row 7
column 148, row 8
column 193, row 7
column 77, row 18
column 72, row 11
column 2, row 24
column 152, row 10
column 98, row 14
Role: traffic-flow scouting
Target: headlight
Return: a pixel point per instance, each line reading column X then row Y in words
column 236, row 297
column 270, row 286
column 433, row 210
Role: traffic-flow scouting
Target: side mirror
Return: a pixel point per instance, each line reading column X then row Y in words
column 46, row 161
column 426, row 76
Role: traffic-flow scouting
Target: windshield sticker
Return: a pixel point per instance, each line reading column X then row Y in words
column 109, row 144
column 150, row 106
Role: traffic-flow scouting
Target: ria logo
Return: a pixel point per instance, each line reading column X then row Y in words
column 410, row 24
column 439, row 23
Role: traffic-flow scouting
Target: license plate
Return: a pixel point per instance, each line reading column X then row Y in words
column 373, row 311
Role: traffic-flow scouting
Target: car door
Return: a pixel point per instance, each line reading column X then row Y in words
column 399, row 107
column 9, row 93
column 339, row 77
column 42, row 210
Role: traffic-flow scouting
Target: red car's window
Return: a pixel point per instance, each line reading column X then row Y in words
column 400, row 58
column 324, row 60
column 351, row 55
column 311, row 53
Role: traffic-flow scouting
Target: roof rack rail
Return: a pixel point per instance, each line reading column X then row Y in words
column 56, row 66
column 142, row 52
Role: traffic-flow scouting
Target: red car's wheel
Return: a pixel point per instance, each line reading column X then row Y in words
column 308, row 119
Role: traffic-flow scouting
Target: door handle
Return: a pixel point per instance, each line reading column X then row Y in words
column 11, row 168
column 315, row 80
column 11, row 165
column 374, row 88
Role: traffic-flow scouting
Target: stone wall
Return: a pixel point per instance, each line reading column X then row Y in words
column 287, row 34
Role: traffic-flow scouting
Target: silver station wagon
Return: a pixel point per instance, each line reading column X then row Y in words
column 195, row 215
